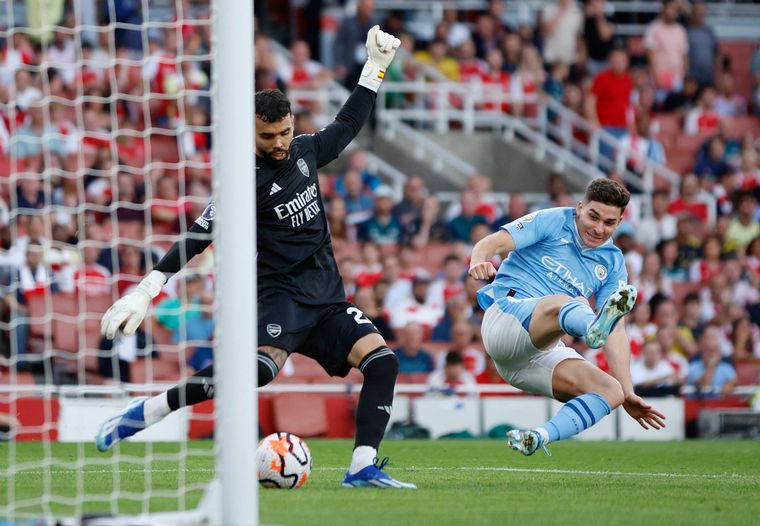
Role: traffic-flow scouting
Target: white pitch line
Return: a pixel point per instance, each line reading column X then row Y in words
column 734, row 476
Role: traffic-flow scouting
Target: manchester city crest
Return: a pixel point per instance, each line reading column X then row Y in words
column 303, row 167
column 601, row 272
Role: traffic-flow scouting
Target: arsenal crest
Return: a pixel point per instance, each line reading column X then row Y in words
column 303, row 167
column 274, row 330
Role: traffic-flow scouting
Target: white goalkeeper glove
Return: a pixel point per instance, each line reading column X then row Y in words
column 381, row 48
column 133, row 307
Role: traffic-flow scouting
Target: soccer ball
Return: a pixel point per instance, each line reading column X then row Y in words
column 284, row 461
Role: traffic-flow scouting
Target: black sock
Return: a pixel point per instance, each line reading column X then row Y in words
column 380, row 368
column 267, row 369
column 194, row 390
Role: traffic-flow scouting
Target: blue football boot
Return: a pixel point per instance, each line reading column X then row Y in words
column 122, row 425
column 373, row 476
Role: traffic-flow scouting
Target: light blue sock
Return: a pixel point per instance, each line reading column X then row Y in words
column 576, row 415
column 574, row 317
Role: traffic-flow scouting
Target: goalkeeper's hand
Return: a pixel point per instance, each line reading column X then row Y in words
column 133, row 307
column 381, row 48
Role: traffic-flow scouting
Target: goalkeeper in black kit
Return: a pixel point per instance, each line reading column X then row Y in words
column 301, row 301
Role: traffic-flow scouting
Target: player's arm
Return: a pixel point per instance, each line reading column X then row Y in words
column 132, row 308
column 618, row 354
column 330, row 141
column 500, row 242
column 520, row 233
column 195, row 242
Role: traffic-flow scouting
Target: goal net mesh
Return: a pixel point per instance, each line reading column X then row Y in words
column 105, row 161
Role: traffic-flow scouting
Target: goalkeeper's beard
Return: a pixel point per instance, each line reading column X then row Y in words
column 269, row 158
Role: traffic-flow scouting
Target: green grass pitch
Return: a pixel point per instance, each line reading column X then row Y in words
column 460, row 482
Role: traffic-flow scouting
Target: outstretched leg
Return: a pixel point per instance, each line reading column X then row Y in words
column 591, row 394
column 380, row 367
column 559, row 314
column 144, row 412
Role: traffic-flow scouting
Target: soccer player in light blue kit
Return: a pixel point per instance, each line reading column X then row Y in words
column 559, row 258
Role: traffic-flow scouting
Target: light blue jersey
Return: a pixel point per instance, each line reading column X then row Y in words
column 550, row 258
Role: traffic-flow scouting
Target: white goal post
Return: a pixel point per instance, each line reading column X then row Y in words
column 236, row 272
column 113, row 116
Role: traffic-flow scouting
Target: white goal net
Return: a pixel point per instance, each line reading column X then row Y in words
column 105, row 160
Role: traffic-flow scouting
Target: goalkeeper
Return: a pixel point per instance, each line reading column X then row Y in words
column 301, row 301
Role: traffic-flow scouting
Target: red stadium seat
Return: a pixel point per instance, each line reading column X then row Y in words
column 691, row 143
column 670, row 127
column 150, row 370
column 305, row 367
column 433, row 256
column 681, row 162
column 748, row 373
column 740, row 53
column 412, row 378
column 128, row 230
column 21, row 378
column 38, row 305
column 5, row 167
column 680, row 290
column 741, row 126
column 302, row 414
column 163, row 148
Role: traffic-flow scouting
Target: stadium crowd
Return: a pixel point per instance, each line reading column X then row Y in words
column 111, row 159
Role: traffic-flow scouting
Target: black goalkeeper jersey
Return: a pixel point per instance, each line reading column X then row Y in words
column 295, row 253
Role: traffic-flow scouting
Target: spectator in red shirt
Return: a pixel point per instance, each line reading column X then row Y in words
column 703, row 119
column 450, row 283
column 490, row 376
column 131, row 268
column 709, row 264
column 495, row 82
column 167, row 207
column 462, row 342
column 92, row 279
column 527, row 82
column 471, row 68
column 609, row 103
column 370, row 269
column 445, row 382
column 690, row 201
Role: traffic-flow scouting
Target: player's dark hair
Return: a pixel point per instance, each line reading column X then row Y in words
column 608, row 192
column 272, row 105
column 454, row 358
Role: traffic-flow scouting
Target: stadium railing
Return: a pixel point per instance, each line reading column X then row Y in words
column 330, row 97
column 730, row 19
column 550, row 127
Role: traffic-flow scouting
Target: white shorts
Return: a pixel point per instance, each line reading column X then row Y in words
column 518, row 361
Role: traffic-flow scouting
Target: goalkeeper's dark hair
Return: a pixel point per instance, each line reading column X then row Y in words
column 272, row 105
column 608, row 192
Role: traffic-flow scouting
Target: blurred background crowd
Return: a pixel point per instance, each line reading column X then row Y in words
column 105, row 157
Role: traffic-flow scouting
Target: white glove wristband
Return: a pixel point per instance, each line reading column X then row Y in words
column 372, row 76
column 152, row 283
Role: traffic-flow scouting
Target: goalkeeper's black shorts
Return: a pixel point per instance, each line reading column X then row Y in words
column 323, row 332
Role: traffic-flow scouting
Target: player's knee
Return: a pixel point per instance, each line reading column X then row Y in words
column 380, row 363
column 551, row 305
column 612, row 391
column 267, row 368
